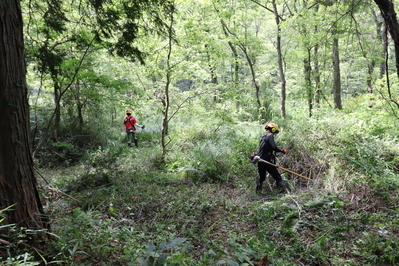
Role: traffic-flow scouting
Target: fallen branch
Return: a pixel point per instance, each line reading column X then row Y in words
column 54, row 189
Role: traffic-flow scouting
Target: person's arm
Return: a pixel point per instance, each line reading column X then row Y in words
column 274, row 146
column 138, row 125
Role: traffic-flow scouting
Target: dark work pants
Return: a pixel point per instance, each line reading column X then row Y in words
column 131, row 135
column 272, row 170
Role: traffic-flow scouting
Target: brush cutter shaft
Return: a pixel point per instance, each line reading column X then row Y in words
column 289, row 171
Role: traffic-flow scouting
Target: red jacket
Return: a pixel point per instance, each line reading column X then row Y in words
column 129, row 122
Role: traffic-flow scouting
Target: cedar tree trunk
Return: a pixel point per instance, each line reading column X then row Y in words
column 17, row 180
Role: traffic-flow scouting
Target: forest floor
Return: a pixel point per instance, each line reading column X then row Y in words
column 125, row 218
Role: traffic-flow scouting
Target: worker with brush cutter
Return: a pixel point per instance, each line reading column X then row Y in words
column 267, row 146
column 131, row 124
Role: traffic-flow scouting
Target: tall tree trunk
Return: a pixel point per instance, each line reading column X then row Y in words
column 166, row 99
column 381, row 33
column 308, row 83
column 370, row 71
column 236, row 65
column 57, row 117
column 251, row 64
column 337, row 73
column 214, row 78
column 316, row 67
column 280, row 61
column 79, row 108
column 384, row 53
column 18, row 185
column 388, row 13
column 235, row 55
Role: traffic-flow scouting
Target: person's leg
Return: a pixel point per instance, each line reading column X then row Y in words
column 129, row 138
column 276, row 175
column 136, row 142
column 262, row 176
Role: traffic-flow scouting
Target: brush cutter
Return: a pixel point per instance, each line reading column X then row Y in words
column 289, row 171
column 143, row 136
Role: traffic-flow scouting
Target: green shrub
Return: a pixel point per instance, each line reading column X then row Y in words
column 58, row 154
column 378, row 249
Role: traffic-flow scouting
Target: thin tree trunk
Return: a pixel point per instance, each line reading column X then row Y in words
column 79, row 108
column 236, row 66
column 57, row 117
column 317, row 75
column 214, row 78
column 166, row 100
column 383, row 64
column 369, row 81
column 280, row 61
column 337, row 73
column 308, row 82
column 18, row 185
column 251, row 64
column 233, row 49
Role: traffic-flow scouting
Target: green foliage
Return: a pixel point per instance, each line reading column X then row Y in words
column 195, row 205
column 101, row 170
column 17, row 237
column 168, row 253
column 24, row 259
column 210, row 165
column 220, row 156
column 378, row 249
column 57, row 154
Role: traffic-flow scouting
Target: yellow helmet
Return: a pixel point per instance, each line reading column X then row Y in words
column 272, row 127
column 129, row 111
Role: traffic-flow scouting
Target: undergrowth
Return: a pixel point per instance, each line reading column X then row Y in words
column 129, row 206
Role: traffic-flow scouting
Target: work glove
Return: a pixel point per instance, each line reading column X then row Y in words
column 256, row 159
column 285, row 151
column 252, row 156
column 143, row 127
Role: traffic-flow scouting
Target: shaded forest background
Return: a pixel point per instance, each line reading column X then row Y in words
column 204, row 77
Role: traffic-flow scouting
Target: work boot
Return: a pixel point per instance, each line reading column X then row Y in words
column 281, row 188
column 258, row 186
column 136, row 142
column 129, row 144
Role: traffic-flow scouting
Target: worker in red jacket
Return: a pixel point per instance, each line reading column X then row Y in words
column 131, row 124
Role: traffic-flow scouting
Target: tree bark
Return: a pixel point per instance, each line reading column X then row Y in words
column 166, row 99
column 388, row 13
column 381, row 33
column 57, row 103
column 235, row 55
column 307, row 69
column 317, row 75
column 280, row 61
column 337, row 74
column 18, row 185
